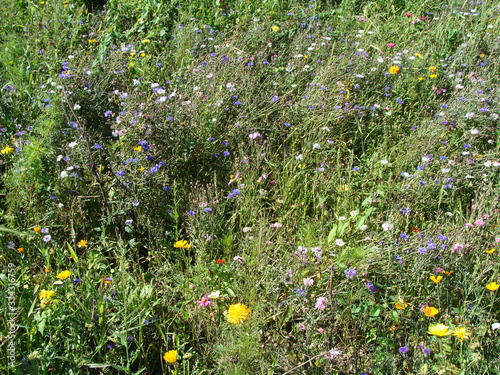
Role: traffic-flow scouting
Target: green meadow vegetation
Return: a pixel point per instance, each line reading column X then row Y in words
column 249, row 187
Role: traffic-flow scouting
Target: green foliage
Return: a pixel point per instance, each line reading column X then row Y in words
column 181, row 157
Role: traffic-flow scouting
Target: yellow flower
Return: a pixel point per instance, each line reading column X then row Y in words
column 400, row 304
column 432, row 69
column 46, row 269
column 431, row 312
column 145, row 41
column 183, row 244
column 20, row 249
column 170, row 356
column 421, row 78
column 447, row 273
column 275, row 28
column 92, row 40
column 492, row 286
column 142, row 54
column 238, row 313
column 462, row 333
column 37, row 229
column 394, row 69
column 436, row 279
column 47, row 294
column 82, row 243
column 7, row 150
column 490, row 251
column 433, row 76
column 417, row 55
column 439, row 330
column 63, row 275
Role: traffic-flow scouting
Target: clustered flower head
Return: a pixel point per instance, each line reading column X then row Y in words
column 238, row 313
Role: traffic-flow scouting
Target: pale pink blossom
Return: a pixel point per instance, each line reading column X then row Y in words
column 321, row 303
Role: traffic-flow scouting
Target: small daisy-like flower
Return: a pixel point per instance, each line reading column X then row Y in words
column 238, row 313
column 170, row 356
column 183, row 244
column 82, row 243
column 462, row 333
column 7, row 150
column 439, row 330
column 63, row 275
column 275, row 28
column 394, row 69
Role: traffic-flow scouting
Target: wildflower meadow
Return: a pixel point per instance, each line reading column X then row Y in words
column 250, row 187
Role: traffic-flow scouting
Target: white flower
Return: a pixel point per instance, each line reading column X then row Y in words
column 246, row 229
column 64, row 174
column 384, row 161
column 474, row 131
column 214, row 295
column 316, row 146
column 76, row 107
column 339, row 242
column 495, row 326
column 469, row 115
column 72, row 144
column 386, row 226
column 363, row 227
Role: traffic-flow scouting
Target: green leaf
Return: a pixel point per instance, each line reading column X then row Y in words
column 72, row 252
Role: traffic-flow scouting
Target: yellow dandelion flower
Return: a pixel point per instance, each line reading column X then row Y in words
column 170, row 356
column 7, row 150
column 145, row 41
column 20, row 249
column 238, row 313
column 421, row 78
column 432, row 69
column 183, row 244
column 46, row 270
column 46, row 294
column 447, row 273
column 490, row 251
column 433, row 76
column 92, row 40
column 82, row 243
column 436, row 279
column 63, row 275
column 37, row 229
column 439, row 330
column 462, row 333
column 417, row 55
column 492, row 286
column 430, row 311
column 275, row 28
column 142, row 54
column 394, row 69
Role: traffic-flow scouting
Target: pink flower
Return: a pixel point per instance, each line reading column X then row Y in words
column 308, row 281
column 390, row 45
column 479, row 222
column 468, row 225
column 321, row 303
column 301, row 326
column 458, row 247
column 408, row 14
column 205, row 301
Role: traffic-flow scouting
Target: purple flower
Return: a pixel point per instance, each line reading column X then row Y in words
column 205, row 301
column 207, row 209
column 350, row 273
column 426, row 351
column 372, row 288
column 404, row 349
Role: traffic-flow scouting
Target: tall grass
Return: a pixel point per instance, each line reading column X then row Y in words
column 331, row 165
